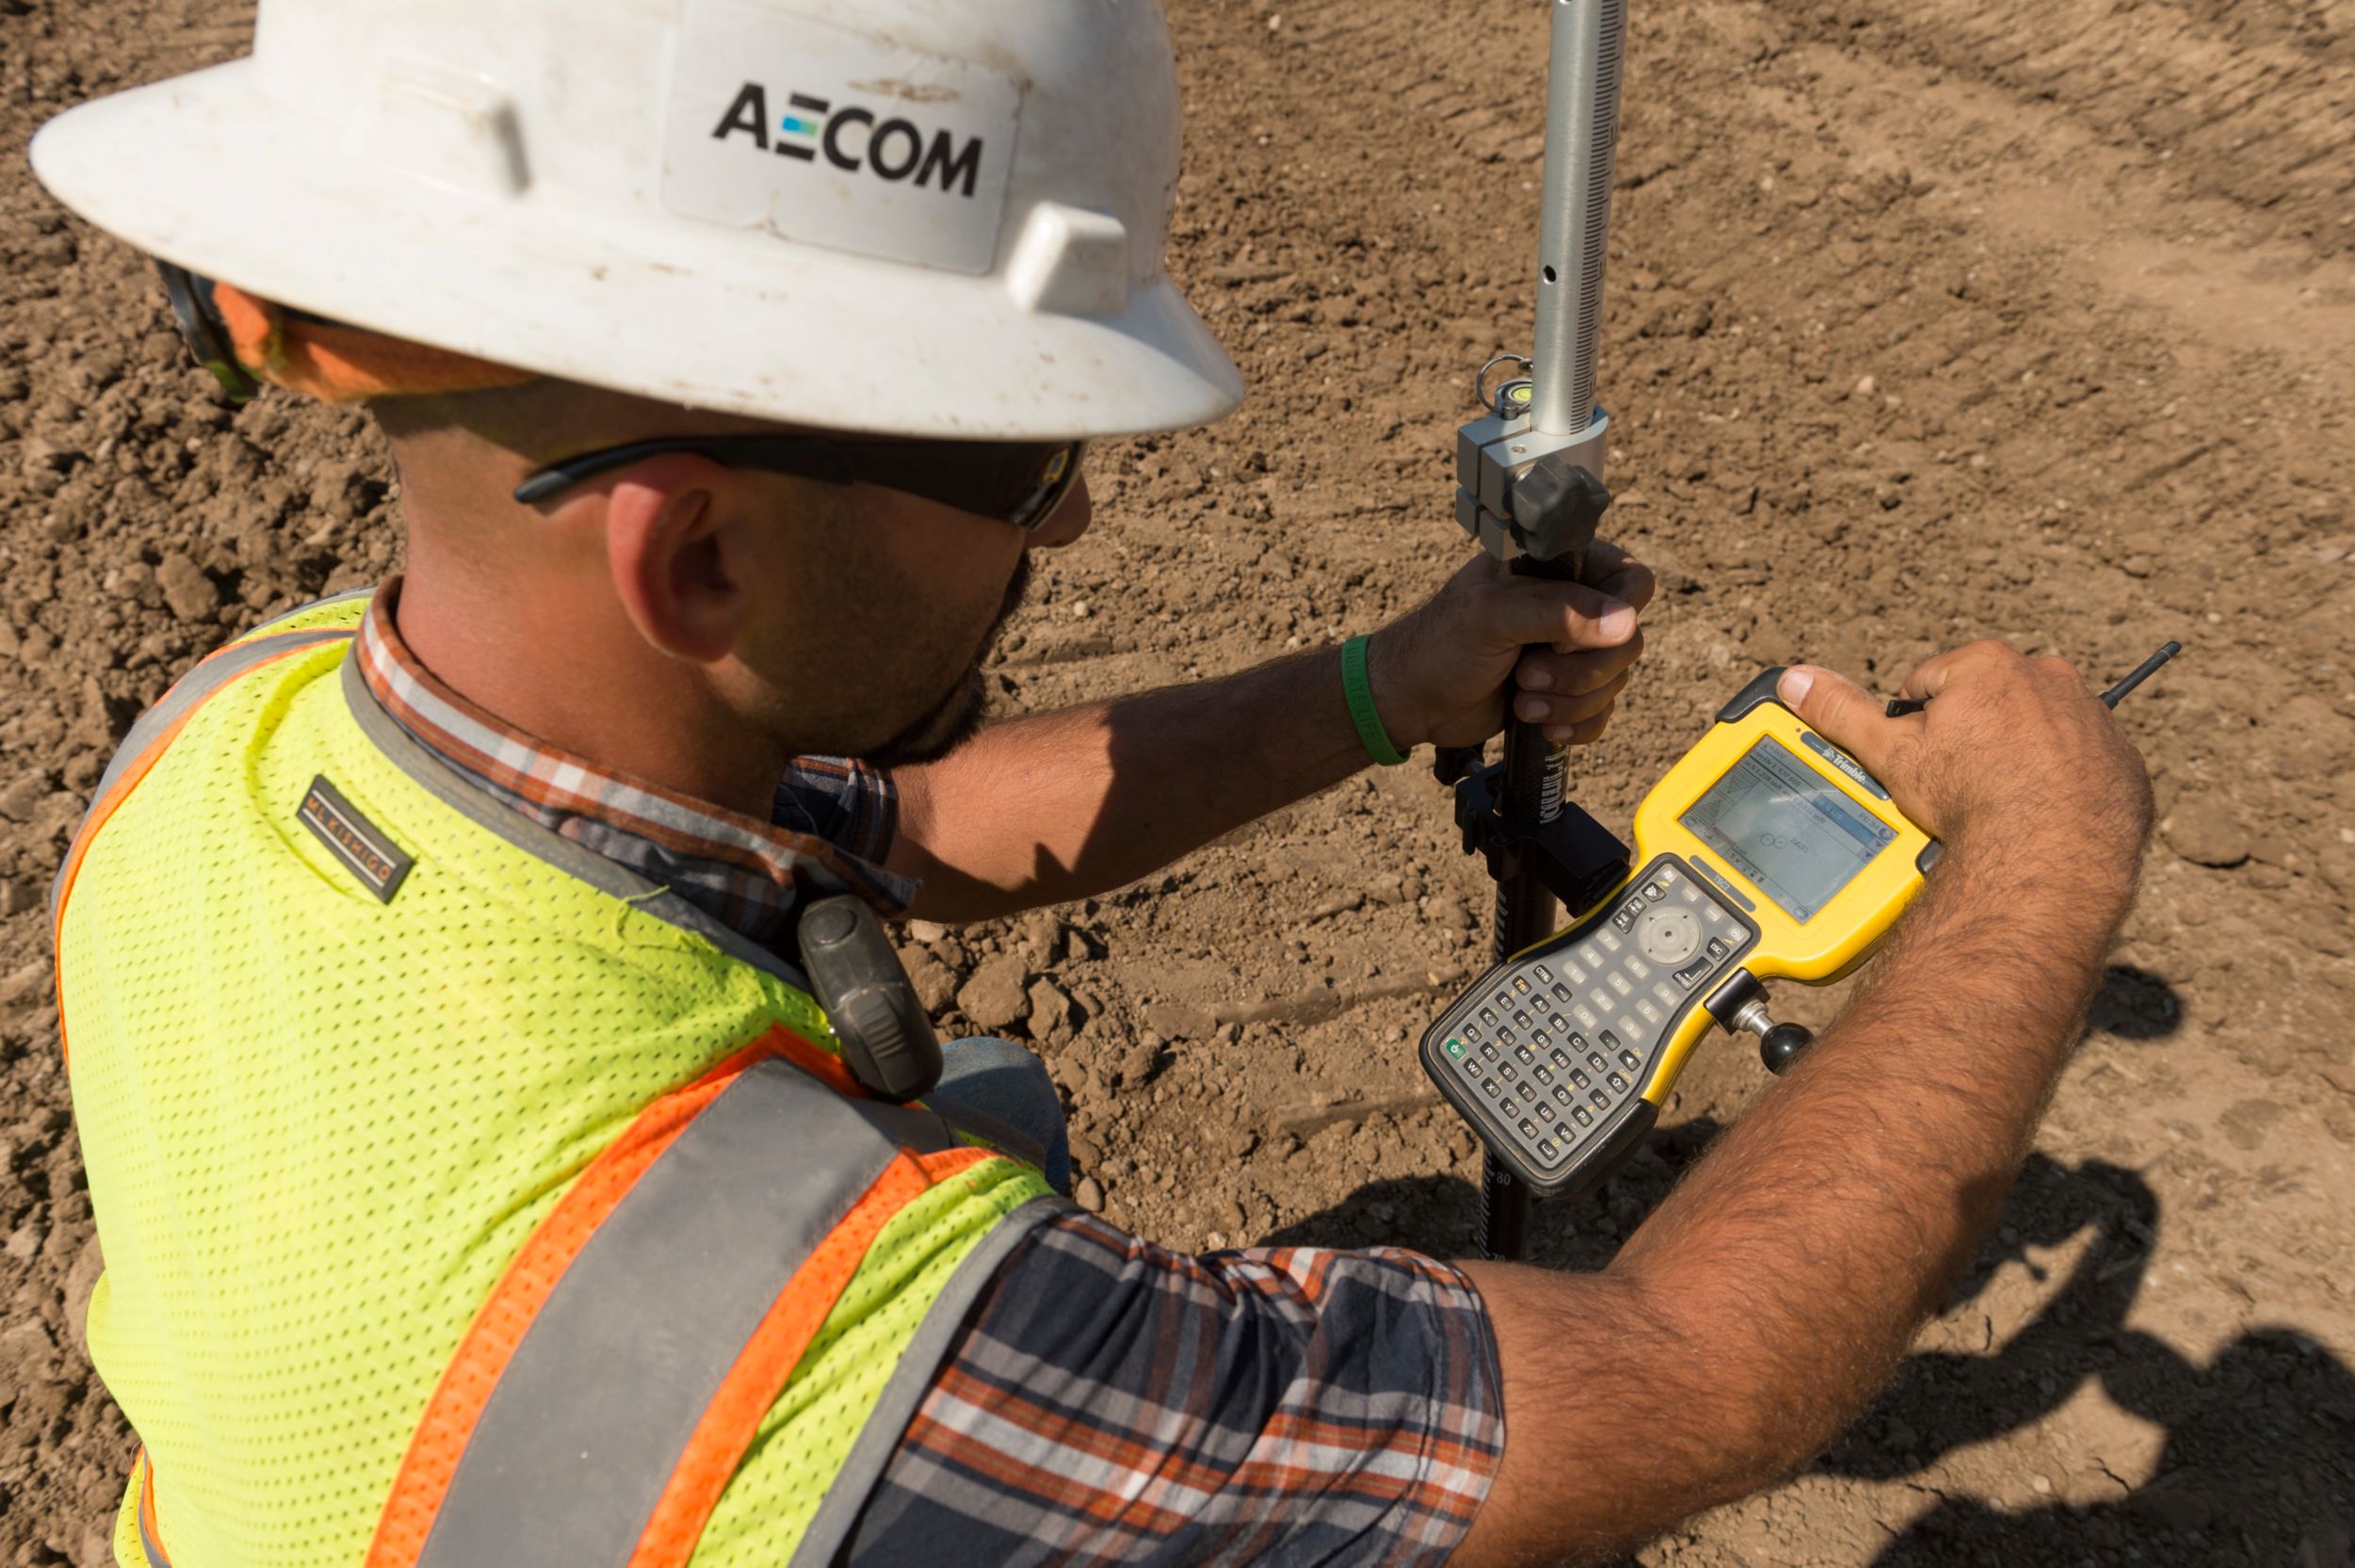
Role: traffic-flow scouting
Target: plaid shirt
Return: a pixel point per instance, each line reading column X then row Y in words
column 1107, row 1400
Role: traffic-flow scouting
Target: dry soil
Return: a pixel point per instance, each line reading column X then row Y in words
column 1927, row 320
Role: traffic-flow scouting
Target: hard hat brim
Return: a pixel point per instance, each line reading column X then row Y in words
column 203, row 170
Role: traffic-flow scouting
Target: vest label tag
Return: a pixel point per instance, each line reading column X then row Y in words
column 360, row 844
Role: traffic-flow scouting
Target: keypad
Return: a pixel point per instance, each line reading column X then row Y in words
column 1561, row 1042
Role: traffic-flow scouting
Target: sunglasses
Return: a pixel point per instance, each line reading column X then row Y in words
column 203, row 332
column 1012, row 481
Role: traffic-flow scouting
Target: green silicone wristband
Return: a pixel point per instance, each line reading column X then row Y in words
column 1359, row 691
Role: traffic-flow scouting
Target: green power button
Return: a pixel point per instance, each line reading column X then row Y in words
column 1456, row 1049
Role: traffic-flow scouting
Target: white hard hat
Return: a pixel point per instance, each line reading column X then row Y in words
column 915, row 216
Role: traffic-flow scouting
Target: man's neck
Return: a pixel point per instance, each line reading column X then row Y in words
column 570, row 668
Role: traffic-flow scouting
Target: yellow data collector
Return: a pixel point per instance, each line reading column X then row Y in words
column 1765, row 853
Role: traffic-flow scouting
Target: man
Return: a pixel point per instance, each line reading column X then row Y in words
column 482, row 1179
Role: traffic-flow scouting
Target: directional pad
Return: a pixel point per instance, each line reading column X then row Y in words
column 1668, row 935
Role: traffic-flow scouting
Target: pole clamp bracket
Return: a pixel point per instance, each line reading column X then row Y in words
column 1574, row 857
column 1521, row 492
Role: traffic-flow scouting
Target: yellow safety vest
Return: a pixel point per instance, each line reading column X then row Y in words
column 466, row 1199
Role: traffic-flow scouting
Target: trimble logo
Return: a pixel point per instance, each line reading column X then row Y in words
column 853, row 139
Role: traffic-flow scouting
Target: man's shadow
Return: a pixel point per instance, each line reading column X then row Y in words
column 2257, row 1463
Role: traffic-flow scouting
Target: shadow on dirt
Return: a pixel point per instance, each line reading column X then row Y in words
column 2257, row 1465
column 2134, row 1004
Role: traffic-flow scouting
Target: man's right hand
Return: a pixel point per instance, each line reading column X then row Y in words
column 2012, row 756
column 1771, row 1294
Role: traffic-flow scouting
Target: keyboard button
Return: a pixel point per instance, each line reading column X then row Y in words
column 1594, row 1059
column 1545, row 1112
column 1523, row 1054
column 1544, row 974
column 1580, row 1078
column 1529, row 1128
column 1628, row 1060
column 1490, row 1088
column 1610, row 1041
column 1584, row 1117
column 1557, row 1058
column 1560, row 1095
column 1547, row 1152
column 1561, row 992
column 1598, row 1100
column 1618, row 1084
column 1507, row 1070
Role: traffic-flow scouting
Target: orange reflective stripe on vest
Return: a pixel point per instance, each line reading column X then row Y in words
column 610, row 1384
column 144, row 746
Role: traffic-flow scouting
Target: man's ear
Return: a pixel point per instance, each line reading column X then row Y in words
column 666, row 522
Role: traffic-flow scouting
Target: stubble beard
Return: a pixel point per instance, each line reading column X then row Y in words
column 955, row 719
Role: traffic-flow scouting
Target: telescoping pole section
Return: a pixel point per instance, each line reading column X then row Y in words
column 1582, row 131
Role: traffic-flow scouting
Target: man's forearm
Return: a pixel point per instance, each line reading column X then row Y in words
column 1065, row 804
column 1771, row 1295
column 1845, row 1207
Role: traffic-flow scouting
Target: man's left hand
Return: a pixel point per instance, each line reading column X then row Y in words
column 1440, row 672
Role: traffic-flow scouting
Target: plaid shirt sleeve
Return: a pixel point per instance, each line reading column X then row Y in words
column 843, row 801
column 1109, row 1401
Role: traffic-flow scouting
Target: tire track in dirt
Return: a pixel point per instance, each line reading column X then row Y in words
column 2253, row 106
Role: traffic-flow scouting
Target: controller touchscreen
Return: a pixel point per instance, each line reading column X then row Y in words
column 1788, row 829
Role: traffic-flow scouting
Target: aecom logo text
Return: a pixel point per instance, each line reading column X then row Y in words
column 852, row 138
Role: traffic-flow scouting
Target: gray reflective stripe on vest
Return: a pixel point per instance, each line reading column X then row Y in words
column 193, row 688
column 348, row 594
column 594, row 1408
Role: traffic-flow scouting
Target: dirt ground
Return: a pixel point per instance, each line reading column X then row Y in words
column 1926, row 320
